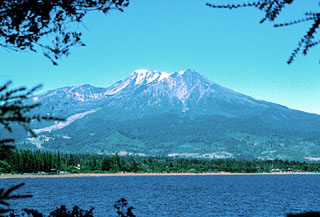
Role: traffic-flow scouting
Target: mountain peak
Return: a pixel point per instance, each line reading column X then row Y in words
column 142, row 72
column 188, row 78
column 146, row 75
column 142, row 76
column 187, row 71
column 181, row 112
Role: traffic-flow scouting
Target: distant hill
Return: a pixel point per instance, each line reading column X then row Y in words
column 177, row 114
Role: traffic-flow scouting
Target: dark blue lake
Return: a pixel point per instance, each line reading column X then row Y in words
column 230, row 195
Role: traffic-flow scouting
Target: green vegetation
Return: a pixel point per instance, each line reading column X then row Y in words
column 28, row 161
column 243, row 139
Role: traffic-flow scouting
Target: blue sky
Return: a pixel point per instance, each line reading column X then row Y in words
column 230, row 48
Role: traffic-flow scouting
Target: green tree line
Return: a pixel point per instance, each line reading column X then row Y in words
column 28, row 161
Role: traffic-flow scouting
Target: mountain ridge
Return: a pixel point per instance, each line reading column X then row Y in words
column 187, row 85
column 170, row 114
column 107, row 90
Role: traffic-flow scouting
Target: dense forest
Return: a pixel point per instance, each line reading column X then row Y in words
column 28, row 161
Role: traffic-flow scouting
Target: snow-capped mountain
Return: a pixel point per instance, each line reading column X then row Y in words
column 66, row 101
column 150, row 92
column 184, row 91
column 158, row 113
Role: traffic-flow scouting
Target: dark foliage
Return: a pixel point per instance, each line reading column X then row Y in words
column 306, row 214
column 14, row 109
column 27, row 161
column 6, row 196
column 32, row 212
column 272, row 9
column 24, row 23
column 122, row 208
column 76, row 212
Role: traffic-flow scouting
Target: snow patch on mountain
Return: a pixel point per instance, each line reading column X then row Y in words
column 51, row 94
column 60, row 125
column 155, row 87
column 136, row 79
column 141, row 75
column 153, row 77
column 182, row 72
column 142, row 71
column 146, row 90
column 79, row 96
column 148, row 76
column 117, row 87
column 163, row 75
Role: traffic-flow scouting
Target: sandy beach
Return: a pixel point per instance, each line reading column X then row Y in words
column 23, row 176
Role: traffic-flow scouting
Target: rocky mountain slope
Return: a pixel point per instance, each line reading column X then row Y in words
column 177, row 114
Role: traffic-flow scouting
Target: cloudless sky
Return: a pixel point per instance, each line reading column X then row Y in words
column 229, row 47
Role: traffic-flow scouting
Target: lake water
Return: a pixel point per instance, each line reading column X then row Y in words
column 230, row 195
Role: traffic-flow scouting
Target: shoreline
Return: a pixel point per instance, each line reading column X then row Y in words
column 23, row 176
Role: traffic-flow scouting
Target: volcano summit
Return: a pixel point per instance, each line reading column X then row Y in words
column 178, row 114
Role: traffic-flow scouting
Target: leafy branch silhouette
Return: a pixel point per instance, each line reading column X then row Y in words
column 14, row 108
column 6, row 195
column 272, row 9
column 24, row 23
column 122, row 208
